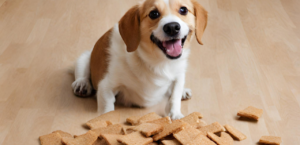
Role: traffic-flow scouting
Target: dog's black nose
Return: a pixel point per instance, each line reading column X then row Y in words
column 172, row 28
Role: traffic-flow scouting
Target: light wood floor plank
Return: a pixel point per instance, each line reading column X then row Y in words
column 250, row 56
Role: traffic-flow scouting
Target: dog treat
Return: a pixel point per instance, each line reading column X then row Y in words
column 111, row 139
column 201, row 123
column 149, row 117
column 133, row 120
column 251, row 112
column 225, row 138
column 153, row 143
column 151, row 130
column 124, row 130
column 63, row 134
column 270, row 140
column 201, row 140
column 214, row 128
column 168, row 129
column 100, row 142
column 193, row 119
column 51, row 139
column 171, row 142
column 86, row 139
column 147, row 129
column 128, row 129
column 169, row 137
column 112, row 129
column 187, row 134
column 104, row 120
column 162, row 121
column 235, row 133
column 135, row 138
column 98, row 124
column 77, row 135
column 190, row 130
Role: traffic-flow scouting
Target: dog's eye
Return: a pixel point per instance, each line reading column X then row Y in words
column 183, row 10
column 154, row 14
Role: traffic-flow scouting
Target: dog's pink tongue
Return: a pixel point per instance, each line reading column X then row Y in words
column 173, row 48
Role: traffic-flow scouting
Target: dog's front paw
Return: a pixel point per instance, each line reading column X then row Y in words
column 82, row 87
column 187, row 94
column 105, row 110
column 175, row 115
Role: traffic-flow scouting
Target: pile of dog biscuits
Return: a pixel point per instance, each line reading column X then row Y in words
column 152, row 129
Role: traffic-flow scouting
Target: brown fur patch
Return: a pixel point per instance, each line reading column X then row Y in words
column 129, row 27
column 201, row 20
column 99, row 59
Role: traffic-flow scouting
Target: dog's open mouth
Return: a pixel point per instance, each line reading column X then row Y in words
column 171, row 48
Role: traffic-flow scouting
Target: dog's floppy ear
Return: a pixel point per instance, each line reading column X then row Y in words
column 201, row 20
column 129, row 27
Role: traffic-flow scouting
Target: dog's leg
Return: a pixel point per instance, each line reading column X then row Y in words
column 187, row 94
column 82, row 86
column 105, row 97
column 174, row 104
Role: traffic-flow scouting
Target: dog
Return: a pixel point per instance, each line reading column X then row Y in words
column 144, row 57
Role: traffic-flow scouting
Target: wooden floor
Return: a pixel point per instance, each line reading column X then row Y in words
column 250, row 56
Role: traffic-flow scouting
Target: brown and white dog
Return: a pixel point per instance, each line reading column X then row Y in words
column 143, row 58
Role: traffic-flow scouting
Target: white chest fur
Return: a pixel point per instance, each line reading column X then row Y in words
column 137, row 79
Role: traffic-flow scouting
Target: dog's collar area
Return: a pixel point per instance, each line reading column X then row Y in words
column 159, row 44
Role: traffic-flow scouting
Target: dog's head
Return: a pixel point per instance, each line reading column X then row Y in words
column 163, row 26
